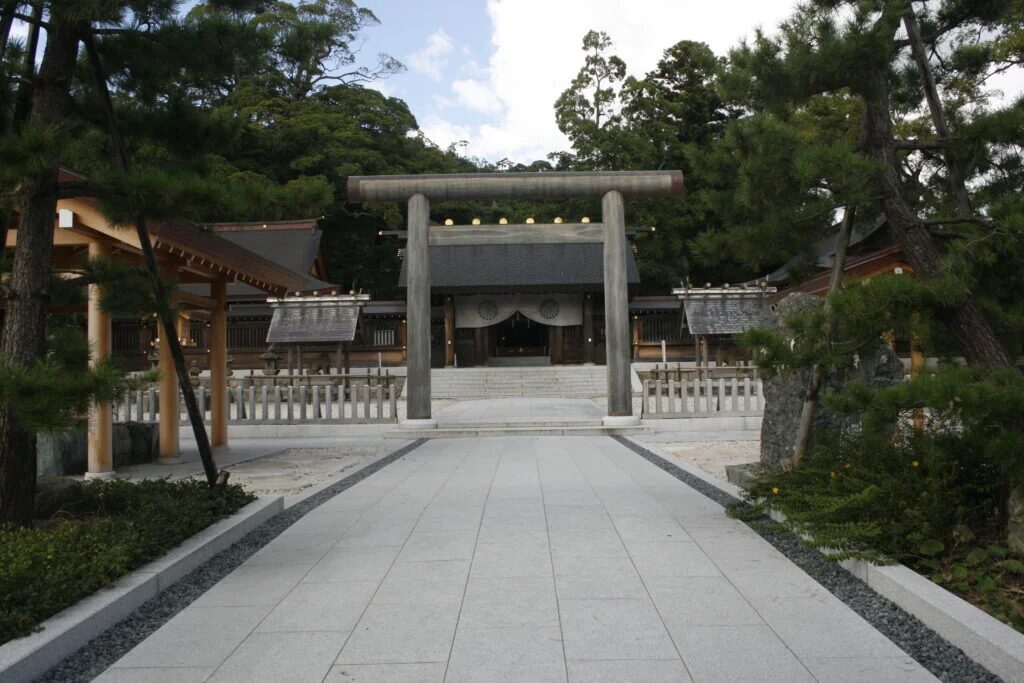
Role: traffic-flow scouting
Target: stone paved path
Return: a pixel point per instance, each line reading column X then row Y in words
column 521, row 559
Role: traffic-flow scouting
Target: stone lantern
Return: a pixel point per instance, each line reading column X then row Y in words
column 193, row 372
column 271, row 362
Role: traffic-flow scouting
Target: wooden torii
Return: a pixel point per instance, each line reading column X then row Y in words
column 611, row 186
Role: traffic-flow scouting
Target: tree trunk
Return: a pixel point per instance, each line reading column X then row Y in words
column 931, row 94
column 803, row 430
column 167, row 316
column 28, row 296
column 972, row 330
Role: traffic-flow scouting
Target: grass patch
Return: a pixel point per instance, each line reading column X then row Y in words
column 106, row 530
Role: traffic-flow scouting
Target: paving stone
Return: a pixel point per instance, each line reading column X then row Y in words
column 281, row 658
column 633, row 670
column 154, row 675
column 614, row 629
column 685, row 601
column 438, row 545
column 198, row 636
column 441, row 581
column 526, row 559
column 507, row 654
column 877, row 670
column 396, row 633
column 509, row 603
column 738, row 653
column 678, row 558
column 294, row 548
column 353, row 564
column 263, row 584
column 387, row 673
column 610, row 577
column 320, row 607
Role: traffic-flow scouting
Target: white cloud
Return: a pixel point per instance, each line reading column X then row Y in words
column 537, row 53
column 432, row 57
column 476, row 96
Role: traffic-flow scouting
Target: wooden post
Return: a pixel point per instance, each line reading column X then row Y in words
column 636, row 337
column 219, row 365
column 101, row 419
column 449, row 332
column 403, row 338
column 480, row 346
column 588, row 329
column 298, row 353
column 557, row 345
column 169, row 445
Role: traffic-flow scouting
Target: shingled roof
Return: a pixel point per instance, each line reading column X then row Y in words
column 489, row 268
column 726, row 315
column 314, row 319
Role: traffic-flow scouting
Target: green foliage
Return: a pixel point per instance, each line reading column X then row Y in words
column 112, row 528
column 58, row 391
column 885, row 489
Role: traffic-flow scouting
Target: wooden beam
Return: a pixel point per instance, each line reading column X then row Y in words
column 505, row 186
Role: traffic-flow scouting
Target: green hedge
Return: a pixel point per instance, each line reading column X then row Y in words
column 110, row 529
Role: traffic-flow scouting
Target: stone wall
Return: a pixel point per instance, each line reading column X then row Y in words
column 784, row 394
column 64, row 453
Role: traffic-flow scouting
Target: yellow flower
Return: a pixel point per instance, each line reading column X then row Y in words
column 775, row 490
column 914, row 463
column 834, row 474
column 847, row 466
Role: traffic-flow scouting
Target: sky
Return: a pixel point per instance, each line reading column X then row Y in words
column 487, row 72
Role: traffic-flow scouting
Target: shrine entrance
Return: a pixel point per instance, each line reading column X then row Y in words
column 520, row 337
column 611, row 188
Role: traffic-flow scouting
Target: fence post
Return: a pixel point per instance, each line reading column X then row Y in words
column 328, row 390
column 657, row 396
column 707, row 393
column 380, row 399
column 277, row 402
column 671, row 394
column 734, row 386
column 366, row 414
column 302, row 403
column 265, row 395
column 646, row 394
column 720, row 406
column 393, row 397
column 202, row 403
column 252, row 403
column 316, row 402
column 152, row 404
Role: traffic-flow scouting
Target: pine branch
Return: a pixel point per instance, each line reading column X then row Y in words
column 920, row 144
column 974, row 220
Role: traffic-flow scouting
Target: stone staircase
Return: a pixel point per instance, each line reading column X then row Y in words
column 562, row 381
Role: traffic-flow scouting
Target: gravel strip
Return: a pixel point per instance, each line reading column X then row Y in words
column 101, row 652
column 944, row 660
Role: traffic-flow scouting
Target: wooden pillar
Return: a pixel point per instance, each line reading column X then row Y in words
column 417, row 305
column 588, row 329
column 298, row 354
column 449, row 332
column 557, row 345
column 219, row 365
column 616, row 310
column 101, row 418
column 169, row 416
column 289, row 352
column 403, row 338
column 480, row 346
column 636, row 337
column 916, row 366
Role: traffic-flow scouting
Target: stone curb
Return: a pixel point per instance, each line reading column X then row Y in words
column 24, row 659
column 985, row 639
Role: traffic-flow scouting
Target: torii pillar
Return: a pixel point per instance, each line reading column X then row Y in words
column 610, row 186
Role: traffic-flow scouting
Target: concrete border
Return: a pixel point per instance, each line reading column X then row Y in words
column 982, row 637
column 24, row 659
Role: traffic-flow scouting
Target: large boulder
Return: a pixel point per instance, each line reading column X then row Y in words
column 784, row 394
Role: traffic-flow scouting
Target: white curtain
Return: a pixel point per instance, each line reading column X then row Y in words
column 560, row 310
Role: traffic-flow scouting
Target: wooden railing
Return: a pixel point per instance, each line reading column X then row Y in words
column 334, row 399
column 702, row 397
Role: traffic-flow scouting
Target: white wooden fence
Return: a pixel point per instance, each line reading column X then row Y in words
column 265, row 404
column 702, row 397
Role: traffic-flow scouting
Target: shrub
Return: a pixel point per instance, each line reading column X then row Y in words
column 922, row 477
column 112, row 528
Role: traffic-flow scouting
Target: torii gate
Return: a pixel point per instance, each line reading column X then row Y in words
column 419, row 190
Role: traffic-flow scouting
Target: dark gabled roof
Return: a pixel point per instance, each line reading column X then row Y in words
column 654, row 303
column 309, row 322
column 726, row 315
column 521, row 267
column 246, row 264
column 823, row 252
column 291, row 248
